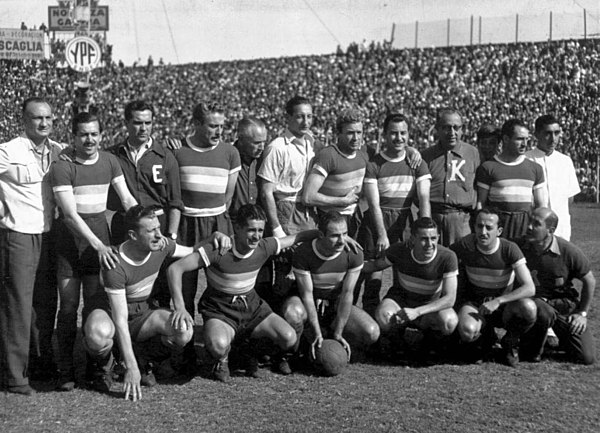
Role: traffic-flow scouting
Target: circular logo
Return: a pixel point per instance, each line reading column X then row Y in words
column 83, row 54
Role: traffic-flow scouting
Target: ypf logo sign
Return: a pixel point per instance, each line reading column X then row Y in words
column 83, row 54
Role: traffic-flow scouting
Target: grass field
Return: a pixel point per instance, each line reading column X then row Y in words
column 549, row 397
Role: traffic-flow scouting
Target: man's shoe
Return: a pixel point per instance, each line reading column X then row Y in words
column 283, row 367
column 252, row 369
column 552, row 342
column 221, row 371
column 147, row 378
column 21, row 390
column 66, row 381
column 510, row 352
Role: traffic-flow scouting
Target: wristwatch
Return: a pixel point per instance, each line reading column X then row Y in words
column 583, row 313
column 172, row 236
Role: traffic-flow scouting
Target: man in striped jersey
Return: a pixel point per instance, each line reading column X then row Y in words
column 510, row 180
column 488, row 294
column 391, row 187
column 81, row 191
column 326, row 273
column 230, row 307
column 425, row 285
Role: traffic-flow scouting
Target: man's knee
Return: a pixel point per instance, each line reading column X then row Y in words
column 383, row 315
column 294, row 313
column 370, row 333
column 447, row 321
column 469, row 330
column 218, row 344
column 179, row 338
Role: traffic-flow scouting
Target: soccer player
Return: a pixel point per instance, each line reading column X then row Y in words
column 489, row 294
column 326, row 273
column 230, row 307
column 81, row 190
column 554, row 264
column 391, row 187
column 452, row 164
column 510, row 180
column 144, row 333
column 425, row 289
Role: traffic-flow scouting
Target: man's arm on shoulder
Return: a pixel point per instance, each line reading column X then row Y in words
column 304, row 236
column 378, row 264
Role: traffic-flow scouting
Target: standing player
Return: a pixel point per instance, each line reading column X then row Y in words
column 425, row 288
column 231, row 308
column 81, row 190
column 326, row 273
column 490, row 297
column 510, row 180
column 452, row 164
column 391, row 187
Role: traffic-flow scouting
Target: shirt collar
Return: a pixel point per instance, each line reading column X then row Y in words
column 553, row 247
column 457, row 149
column 289, row 137
column 146, row 145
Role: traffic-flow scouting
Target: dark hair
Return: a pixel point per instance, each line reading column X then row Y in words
column 508, row 128
column 444, row 112
column 244, row 126
column 82, row 118
column 137, row 105
column 294, row 102
column 492, row 211
column 34, row 100
column 394, row 118
column 135, row 213
column 203, row 109
column 249, row 212
column 422, row 223
column 487, row 130
column 350, row 115
column 546, row 119
column 326, row 218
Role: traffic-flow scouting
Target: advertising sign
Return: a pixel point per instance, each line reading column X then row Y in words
column 21, row 44
column 83, row 54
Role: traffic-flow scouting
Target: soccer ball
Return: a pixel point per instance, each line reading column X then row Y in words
column 331, row 358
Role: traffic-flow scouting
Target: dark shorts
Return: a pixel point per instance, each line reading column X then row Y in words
column 193, row 230
column 398, row 295
column 75, row 257
column 294, row 217
column 453, row 224
column 494, row 319
column 515, row 224
column 394, row 221
column 243, row 313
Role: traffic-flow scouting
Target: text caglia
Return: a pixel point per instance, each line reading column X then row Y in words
column 28, row 46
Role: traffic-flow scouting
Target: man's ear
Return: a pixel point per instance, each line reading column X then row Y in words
column 500, row 230
column 132, row 235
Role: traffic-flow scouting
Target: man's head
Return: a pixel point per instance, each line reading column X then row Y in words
column 395, row 133
column 83, row 94
column 542, row 224
column 249, row 227
column 488, row 228
column 87, row 135
column 349, row 127
column 424, row 238
column 449, row 127
column 548, row 133
column 252, row 136
column 515, row 138
column 488, row 141
column 37, row 119
column 143, row 228
column 209, row 120
column 138, row 120
column 299, row 116
column 334, row 229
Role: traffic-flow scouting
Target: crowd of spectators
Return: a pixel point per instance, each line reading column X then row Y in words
column 487, row 83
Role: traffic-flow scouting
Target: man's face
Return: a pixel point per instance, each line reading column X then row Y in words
column 253, row 144
column 350, row 138
column 396, row 137
column 425, row 244
column 548, row 138
column 37, row 120
column 147, row 235
column 516, row 144
column 334, row 240
column 248, row 236
column 300, row 121
column 87, row 140
column 210, row 131
column 139, row 127
column 488, row 147
column 487, row 230
column 537, row 231
column 449, row 129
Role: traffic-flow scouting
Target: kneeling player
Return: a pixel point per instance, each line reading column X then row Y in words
column 489, row 298
column 326, row 273
column 153, row 332
column 425, row 288
column 230, row 307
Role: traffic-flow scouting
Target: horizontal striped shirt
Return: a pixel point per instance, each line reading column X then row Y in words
column 342, row 174
column 204, row 174
column 234, row 273
column 327, row 273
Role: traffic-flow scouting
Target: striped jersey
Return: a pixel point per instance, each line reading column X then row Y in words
column 88, row 180
column 489, row 274
column 396, row 181
column 510, row 184
column 327, row 273
column 136, row 278
column 342, row 173
column 234, row 273
column 204, row 173
column 421, row 282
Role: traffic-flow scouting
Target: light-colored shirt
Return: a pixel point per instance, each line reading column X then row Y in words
column 26, row 201
column 561, row 184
